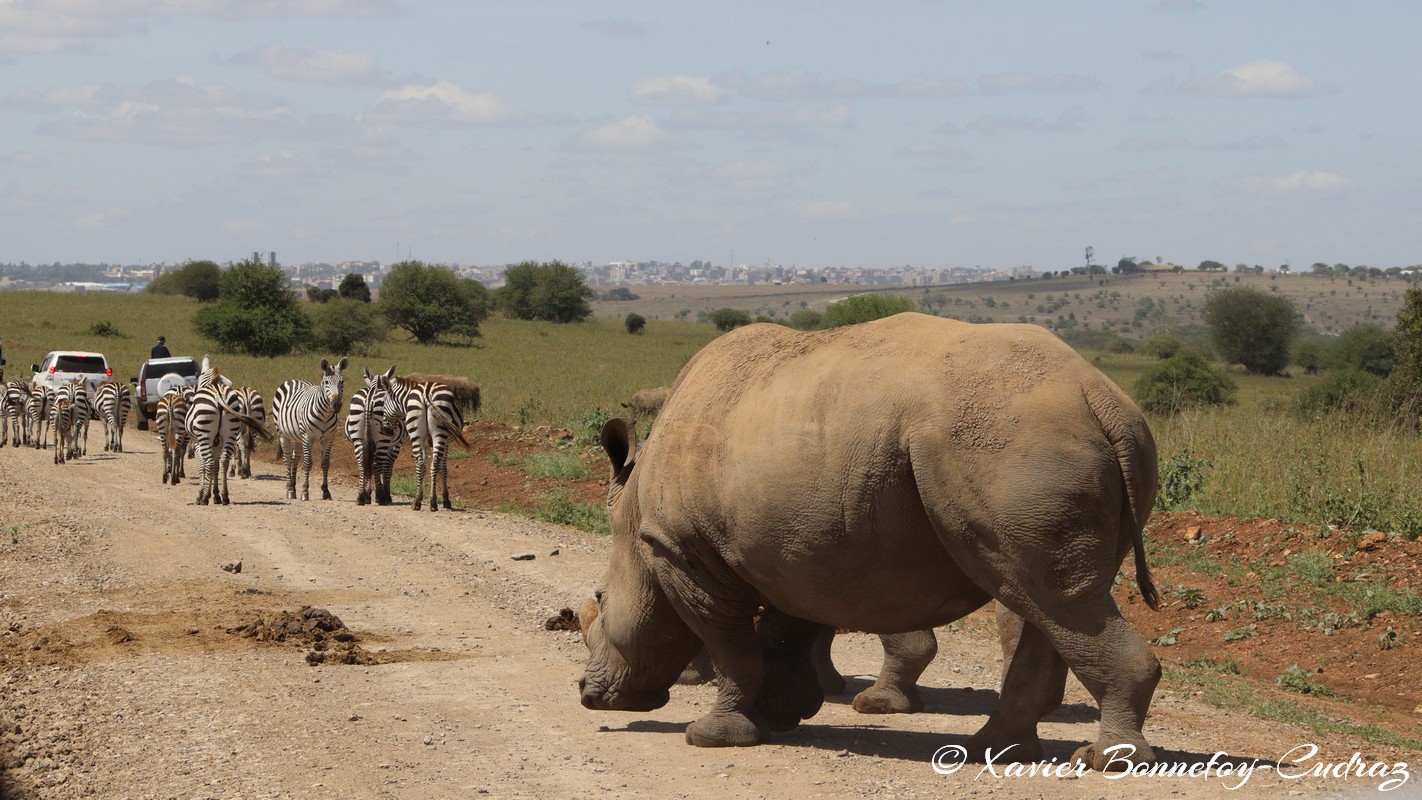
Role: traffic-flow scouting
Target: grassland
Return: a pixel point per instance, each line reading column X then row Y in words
column 1262, row 460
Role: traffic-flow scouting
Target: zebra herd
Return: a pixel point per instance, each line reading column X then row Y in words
column 215, row 424
column 34, row 415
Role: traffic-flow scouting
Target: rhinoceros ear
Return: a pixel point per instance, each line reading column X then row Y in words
column 619, row 441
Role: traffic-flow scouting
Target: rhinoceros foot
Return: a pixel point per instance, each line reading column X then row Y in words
column 725, row 729
column 888, row 700
column 790, row 690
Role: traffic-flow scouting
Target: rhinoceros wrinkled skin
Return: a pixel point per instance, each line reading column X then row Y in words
column 886, row 477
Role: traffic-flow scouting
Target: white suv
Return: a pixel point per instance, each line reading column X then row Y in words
column 156, row 377
column 63, row 366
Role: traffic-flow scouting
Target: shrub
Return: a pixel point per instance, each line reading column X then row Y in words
column 316, row 294
column 1186, row 380
column 1366, row 347
column 1181, row 479
column 726, row 319
column 106, row 329
column 354, row 287
column 1162, row 346
column 200, row 280
column 347, row 327
column 635, row 323
column 865, row 307
column 1350, row 391
column 807, row 319
column 255, row 313
column 1298, row 679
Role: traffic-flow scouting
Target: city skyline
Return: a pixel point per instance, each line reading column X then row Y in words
column 935, row 134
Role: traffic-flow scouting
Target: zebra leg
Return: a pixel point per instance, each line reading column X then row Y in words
column 419, row 454
column 444, row 476
column 306, row 455
column 325, row 469
column 224, row 464
column 289, row 458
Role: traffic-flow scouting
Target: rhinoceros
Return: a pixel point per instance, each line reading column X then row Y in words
column 885, row 477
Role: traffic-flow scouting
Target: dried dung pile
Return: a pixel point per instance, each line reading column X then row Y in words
column 565, row 620
column 331, row 642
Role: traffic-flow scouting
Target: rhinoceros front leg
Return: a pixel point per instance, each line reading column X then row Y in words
column 906, row 656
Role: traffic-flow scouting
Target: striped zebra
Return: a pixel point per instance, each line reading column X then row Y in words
column 15, row 402
column 250, row 403
column 307, row 413
column 79, row 411
column 376, row 446
column 37, row 415
column 61, row 423
column 170, row 427
column 430, row 415
column 213, row 425
column 112, row 404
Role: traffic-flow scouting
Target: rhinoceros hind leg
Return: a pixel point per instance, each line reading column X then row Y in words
column 1033, row 683
column 831, row 682
column 789, row 692
column 699, row 671
column 906, row 656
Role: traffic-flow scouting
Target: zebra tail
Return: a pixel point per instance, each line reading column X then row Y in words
column 247, row 420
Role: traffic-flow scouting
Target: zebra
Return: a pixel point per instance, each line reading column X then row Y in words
column 78, row 411
column 37, row 415
column 430, row 415
column 376, row 446
column 250, row 403
column 15, row 403
column 112, row 404
column 170, row 426
column 214, row 424
column 307, row 413
column 61, row 423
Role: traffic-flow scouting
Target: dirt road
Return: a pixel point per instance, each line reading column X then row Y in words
column 121, row 678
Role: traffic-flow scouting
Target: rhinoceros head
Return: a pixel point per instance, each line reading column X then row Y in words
column 637, row 643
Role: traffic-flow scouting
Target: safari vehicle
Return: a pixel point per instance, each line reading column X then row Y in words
column 62, row 366
column 156, row 377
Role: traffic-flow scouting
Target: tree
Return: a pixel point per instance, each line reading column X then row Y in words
column 807, row 319
column 428, row 301
column 200, row 280
column 620, row 293
column 256, row 313
column 726, row 319
column 347, row 327
column 865, row 307
column 1212, row 266
column 354, row 287
column 635, row 323
column 553, row 291
column 1252, row 327
column 316, row 294
column 1404, row 385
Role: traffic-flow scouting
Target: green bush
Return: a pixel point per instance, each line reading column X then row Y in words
column 354, row 287
column 726, row 319
column 200, row 280
column 1252, row 327
column 1181, row 479
column 807, row 319
column 347, row 327
column 635, row 323
column 255, row 314
column 1350, row 391
column 554, row 292
column 865, row 307
column 1184, row 381
column 1162, row 346
column 106, row 329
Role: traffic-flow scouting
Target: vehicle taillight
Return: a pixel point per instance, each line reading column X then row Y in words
column 51, row 370
column 109, row 372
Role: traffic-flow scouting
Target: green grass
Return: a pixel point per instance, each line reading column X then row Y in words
column 1236, row 694
column 558, row 465
column 562, row 507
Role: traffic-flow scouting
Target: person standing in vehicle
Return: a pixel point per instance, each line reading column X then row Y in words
column 160, row 350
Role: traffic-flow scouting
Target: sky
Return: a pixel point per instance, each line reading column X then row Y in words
column 793, row 133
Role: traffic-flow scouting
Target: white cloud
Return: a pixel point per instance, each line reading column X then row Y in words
column 677, row 90
column 176, row 112
column 1032, row 82
column 993, row 124
column 1297, row 182
column 794, row 125
column 801, row 85
column 444, row 104
column 332, row 67
column 54, row 26
column 616, row 26
column 1262, row 78
column 629, row 134
column 753, row 175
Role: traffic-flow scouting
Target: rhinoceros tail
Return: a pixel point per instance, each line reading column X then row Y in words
column 1128, row 434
